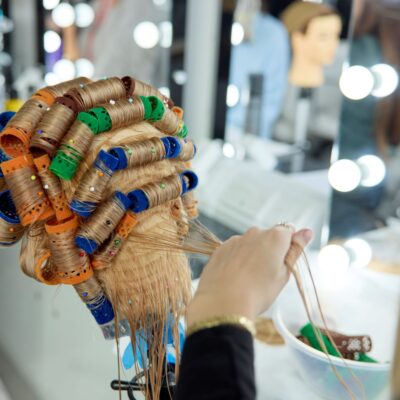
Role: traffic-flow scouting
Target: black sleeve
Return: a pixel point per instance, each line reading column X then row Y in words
column 217, row 364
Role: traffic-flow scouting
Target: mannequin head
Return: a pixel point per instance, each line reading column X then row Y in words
column 101, row 205
column 315, row 30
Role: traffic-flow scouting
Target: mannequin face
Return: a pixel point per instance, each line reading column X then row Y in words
column 320, row 42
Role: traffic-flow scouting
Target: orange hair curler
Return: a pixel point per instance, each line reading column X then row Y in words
column 26, row 190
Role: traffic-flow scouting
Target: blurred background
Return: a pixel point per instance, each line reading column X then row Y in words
column 294, row 106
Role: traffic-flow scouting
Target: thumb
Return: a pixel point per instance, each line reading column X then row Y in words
column 299, row 241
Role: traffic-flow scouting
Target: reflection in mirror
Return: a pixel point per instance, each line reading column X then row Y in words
column 107, row 38
column 366, row 175
column 283, row 102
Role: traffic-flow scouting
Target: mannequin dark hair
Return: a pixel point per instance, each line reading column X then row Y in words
column 274, row 7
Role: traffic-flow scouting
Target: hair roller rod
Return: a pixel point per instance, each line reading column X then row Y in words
column 166, row 120
column 134, row 87
column 16, row 136
column 75, row 146
column 100, row 225
column 72, row 264
column 48, row 137
column 146, row 151
column 154, row 194
column 93, row 295
column 26, row 189
column 53, row 126
column 91, row 187
column 11, row 229
column 103, row 258
column 52, row 186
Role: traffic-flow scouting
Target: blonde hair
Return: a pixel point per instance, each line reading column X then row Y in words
column 148, row 282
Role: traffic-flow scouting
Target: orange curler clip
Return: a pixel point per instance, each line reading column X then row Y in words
column 54, row 227
column 44, row 96
column 39, row 269
column 128, row 222
column 53, row 187
column 103, row 258
column 12, row 147
column 84, row 272
column 178, row 111
column 38, row 212
column 14, row 164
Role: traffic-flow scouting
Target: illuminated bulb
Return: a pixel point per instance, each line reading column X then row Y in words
column 51, row 41
column 50, row 4
column 165, row 91
column 228, row 150
column 237, row 34
column 146, row 35
column 63, row 15
column 356, row 82
column 232, row 96
column 334, row 260
column 84, row 67
column 51, row 79
column 387, row 80
column 84, row 15
column 180, row 77
column 360, row 252
column 344, row 175
column 64, row 69
column 159, row 3
column 165, row 34
column 373, row 170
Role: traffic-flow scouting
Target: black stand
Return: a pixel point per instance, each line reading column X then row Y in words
column 167, row 389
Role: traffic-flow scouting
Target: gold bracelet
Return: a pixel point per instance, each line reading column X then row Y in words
column 237, row 320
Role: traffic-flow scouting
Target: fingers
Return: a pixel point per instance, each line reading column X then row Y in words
column 299, row 241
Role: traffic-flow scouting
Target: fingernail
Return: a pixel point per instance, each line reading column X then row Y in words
column 307, row 235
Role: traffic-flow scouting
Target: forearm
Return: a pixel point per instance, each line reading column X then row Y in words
column 217, row 364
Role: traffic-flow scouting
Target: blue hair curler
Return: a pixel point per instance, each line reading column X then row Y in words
column 106, row 164
column 193, row 181
column 11, row 229
column 4, row 118
column 89, row 244
column 172, row 146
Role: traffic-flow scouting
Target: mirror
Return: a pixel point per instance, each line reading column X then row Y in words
column 366, row 174
column 283, row 113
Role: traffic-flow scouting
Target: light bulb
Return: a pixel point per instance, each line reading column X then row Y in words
column 237, row 34
column 232, row 95
column 84, row 15
column 344, row 175
column 64, row 69
column 360, row 252
column 50, row 4
column 356, row 82
column 51, row 41
column 51, row 79
column 146, row 35
column 63, row 15
column 334, row 257
column 180, row 77
column 228, row 150
column 373, row 170
column 165, row 91
column 84, row 67
column 386, row 81
column 165, row 34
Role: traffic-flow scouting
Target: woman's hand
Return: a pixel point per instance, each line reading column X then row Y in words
column 245, row 275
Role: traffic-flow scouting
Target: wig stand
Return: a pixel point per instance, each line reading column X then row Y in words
column 302, row 118
column 136, row 384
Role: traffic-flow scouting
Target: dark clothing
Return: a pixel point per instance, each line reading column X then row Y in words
column 217, row 364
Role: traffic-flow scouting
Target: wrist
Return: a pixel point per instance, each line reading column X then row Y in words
column 204, row 306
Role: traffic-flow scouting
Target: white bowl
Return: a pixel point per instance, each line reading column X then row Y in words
column 361, row 308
